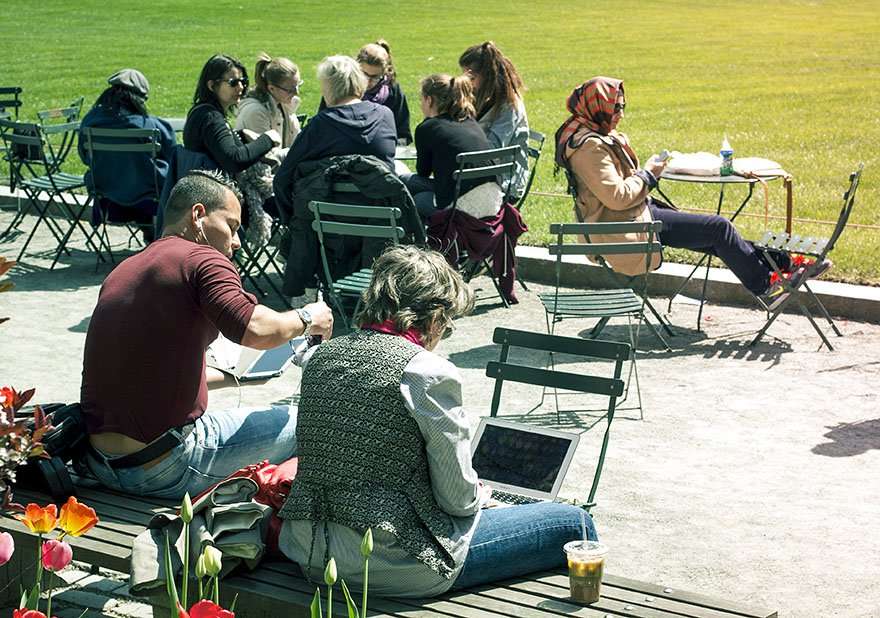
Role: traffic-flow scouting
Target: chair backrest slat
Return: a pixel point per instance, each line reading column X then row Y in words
column 555, row 379
column 494, row 155
column 620, row 248
column 483, row 172
column 94, row 139
column 593, row 348
column 589, row 229
column 357, row 229
column 359, row 211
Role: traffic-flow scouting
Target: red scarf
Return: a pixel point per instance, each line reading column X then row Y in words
column 591, row 106
column 388, row 327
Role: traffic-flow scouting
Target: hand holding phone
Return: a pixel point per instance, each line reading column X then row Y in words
column 664, row 154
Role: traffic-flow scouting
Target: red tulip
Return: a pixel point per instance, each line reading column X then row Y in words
column 27, row 613
column 7, row 546
column 56, row 555
column 204, row 609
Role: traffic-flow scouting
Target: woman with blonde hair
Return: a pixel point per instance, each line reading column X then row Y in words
column 271, row 105
column 384, row 444
column 448, row 130
column 501, row 112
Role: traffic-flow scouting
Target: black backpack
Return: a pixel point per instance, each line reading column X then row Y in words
column 66, row 443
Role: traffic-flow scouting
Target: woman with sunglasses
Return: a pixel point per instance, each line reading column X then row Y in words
column 221, row 85
column 385, row 444
column 611, row 186
column 501, row 112
column 270, row 106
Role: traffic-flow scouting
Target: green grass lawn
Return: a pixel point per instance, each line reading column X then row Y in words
column 793, row 81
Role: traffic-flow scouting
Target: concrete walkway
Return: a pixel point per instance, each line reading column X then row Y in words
column 753, row 476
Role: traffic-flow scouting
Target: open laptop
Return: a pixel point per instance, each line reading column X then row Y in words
column 521, row 463
column 246, row 363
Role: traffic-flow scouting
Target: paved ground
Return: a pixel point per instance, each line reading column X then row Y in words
column 753, row 475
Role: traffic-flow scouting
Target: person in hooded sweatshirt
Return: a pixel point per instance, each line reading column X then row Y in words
column 346, row 126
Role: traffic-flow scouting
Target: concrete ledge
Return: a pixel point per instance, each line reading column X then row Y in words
column 854, row 302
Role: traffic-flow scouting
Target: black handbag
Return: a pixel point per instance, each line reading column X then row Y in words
column 65, row 444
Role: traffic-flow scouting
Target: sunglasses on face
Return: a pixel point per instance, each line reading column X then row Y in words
column 290, row 91
column 235, row 81
column 447, row 331
column 619, row 107
column 373, row 79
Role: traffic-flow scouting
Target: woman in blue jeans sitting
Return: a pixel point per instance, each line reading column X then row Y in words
column 611, row 186
column 384, row 444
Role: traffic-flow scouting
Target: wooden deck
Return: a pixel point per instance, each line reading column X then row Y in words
column 277, row 588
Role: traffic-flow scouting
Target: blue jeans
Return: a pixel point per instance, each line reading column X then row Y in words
column 422, row 190
column 518, row 540
column 220, row 443
column 717, row 236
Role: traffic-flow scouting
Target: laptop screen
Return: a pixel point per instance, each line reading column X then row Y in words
column 520, row 458
column 271, row 362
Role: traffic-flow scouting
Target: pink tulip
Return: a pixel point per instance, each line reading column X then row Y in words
column 7, row 546
column 56, row 555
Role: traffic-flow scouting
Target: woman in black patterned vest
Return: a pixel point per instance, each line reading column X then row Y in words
column 384, row 444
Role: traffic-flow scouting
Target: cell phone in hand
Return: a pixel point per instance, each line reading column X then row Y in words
column 664, row 154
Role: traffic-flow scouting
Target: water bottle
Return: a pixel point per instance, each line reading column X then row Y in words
column 726, row 158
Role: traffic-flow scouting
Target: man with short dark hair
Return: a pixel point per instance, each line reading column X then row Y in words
column 145, row 382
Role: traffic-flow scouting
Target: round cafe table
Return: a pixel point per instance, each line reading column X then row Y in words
column 722, row 182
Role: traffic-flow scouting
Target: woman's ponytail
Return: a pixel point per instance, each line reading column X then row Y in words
column 260, row 85
column 453, row 96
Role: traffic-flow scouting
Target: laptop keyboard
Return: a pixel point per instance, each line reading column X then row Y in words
column 508, row 498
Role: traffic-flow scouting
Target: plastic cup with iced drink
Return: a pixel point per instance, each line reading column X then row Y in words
column 586, row 561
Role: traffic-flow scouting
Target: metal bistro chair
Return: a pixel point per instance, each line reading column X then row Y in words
column 604, row 304
column 533, row 151
column 10, row 99
column 812, row 247
column 139, row 149
column 260, row 262
column 611, row 387
column 34, row 163
column 496, row 164
column 360, row 221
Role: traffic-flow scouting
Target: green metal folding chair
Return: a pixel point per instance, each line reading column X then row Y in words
column 496, row 164
column 125, row 145
column 35, row 166
column 604, row 304
column 611, row 387
column 352, row 220
column 812, row 247
column 10, row 99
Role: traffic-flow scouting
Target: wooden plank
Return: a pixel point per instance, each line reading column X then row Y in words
column 639, row 598
column 691, row 598
column 552, row 606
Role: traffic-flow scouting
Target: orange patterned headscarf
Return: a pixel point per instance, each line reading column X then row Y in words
column 591, row 105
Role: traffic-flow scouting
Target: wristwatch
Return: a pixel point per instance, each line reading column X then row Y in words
column 306, row 316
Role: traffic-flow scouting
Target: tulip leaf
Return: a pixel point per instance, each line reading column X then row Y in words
column 33, row 599
column 315, row 607
column 352, row 609
column 170, row 586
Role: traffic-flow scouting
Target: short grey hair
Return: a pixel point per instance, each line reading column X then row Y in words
column 343, row 76
column 414, row 288
column 206, row 187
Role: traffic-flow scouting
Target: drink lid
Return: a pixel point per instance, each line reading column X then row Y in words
column 586, row 549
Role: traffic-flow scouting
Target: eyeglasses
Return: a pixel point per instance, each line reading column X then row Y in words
column 291, row 91
column 619, row 107
column 448, row 330
column 373, row 79
column 235, row 81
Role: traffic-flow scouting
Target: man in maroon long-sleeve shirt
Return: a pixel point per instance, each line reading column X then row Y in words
column 145, row 383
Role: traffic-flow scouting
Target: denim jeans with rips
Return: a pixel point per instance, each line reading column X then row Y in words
column 518, row 540
column 220, row 443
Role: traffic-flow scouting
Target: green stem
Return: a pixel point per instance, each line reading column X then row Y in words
column 185, row 586
column 49, row 604
column 201, row 590
column 366, row 584
column 329, row 601
column 217, row 589
column 39, row 581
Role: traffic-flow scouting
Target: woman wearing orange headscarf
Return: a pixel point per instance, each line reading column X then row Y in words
column 611, row 186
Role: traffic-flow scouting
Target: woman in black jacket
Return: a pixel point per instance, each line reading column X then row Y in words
column 223, row 82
